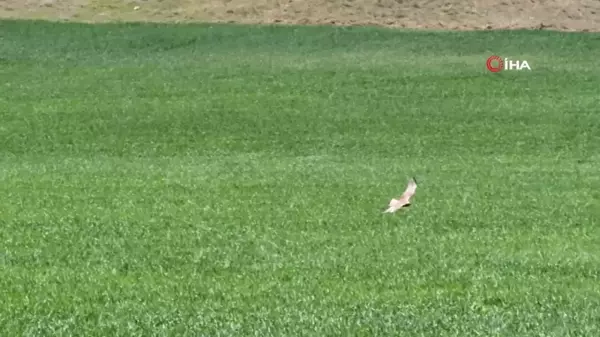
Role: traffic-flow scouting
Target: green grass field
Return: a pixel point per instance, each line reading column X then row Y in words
column 226, row 180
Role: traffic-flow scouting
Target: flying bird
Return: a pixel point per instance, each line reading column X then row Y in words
column 404, row 199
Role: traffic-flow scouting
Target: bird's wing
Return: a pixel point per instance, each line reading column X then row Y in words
column 410, row 189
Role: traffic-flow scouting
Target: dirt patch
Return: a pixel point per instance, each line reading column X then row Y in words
column 571, row 15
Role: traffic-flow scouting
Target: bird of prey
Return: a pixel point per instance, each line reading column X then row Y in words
column 404, row 199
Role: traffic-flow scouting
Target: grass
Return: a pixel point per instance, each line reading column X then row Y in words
column 225, row 180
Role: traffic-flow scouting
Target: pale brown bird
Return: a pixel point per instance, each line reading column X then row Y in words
column 404, row 199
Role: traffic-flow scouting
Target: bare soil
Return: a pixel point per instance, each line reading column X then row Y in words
column 569, row 15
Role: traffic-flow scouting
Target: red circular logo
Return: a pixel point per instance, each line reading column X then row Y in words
column 492, row 67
